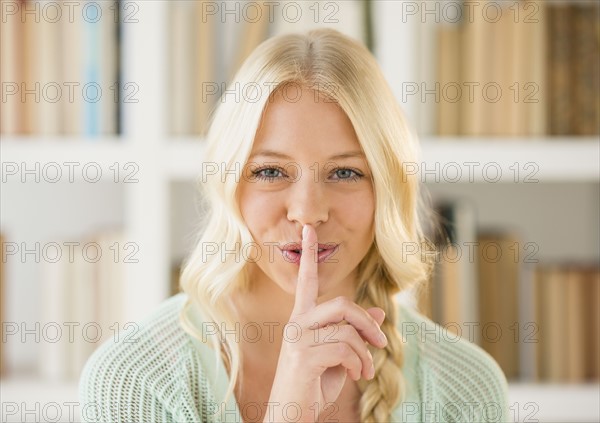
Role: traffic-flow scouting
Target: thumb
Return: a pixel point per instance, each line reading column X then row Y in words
column 377, row 313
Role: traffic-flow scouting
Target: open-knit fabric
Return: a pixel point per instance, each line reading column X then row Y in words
column 156, row 372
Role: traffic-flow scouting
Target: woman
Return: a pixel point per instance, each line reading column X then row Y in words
column 313, row 227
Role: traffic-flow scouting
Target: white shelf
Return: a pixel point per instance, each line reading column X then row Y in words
column 553, row 159
column 549, row 403
column 31, row 399
column 69, row 154
column 564, row 159
column 544, row 403
column 184, row 158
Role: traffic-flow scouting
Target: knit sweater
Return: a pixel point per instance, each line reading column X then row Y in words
column 157, row 372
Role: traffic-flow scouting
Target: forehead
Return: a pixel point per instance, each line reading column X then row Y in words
column 300, row 120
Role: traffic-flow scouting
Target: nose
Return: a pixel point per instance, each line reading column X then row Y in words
column 307, row 202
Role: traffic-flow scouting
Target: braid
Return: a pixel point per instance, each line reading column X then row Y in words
column 380, row 395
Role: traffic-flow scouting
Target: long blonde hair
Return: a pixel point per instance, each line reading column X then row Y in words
column 344, row 69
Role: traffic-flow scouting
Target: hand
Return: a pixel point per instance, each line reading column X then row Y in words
column 312, row 369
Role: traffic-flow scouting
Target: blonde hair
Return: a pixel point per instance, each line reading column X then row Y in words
column 346, row 72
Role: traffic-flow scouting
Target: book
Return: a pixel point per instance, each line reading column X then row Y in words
column 528, row 327
column 31, row 70
column 498, row 270
column 430, row 85
column 585, row 68
column 559, row 64
column 109, row 273
column 348, row 17
column 83, row 303
column 55, row 349
column 11, row 68
column 99, row 68
column 534, row 87
column 448, row 71
column 108, row 67
column 47, row 73
column 574, row 336
column 447, row 301
column 475, row 72
column 255, row 30
column 551, row 289
column 205, row 58
column 83, row 290
column 497, row 97
column 182, row 45
column 450, row 296
column 72, row 77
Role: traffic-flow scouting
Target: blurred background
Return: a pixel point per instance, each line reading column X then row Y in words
column 104, row 108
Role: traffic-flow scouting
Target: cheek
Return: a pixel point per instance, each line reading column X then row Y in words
column 357, row 210
column 259, row 211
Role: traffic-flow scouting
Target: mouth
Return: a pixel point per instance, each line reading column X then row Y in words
column 292, row 255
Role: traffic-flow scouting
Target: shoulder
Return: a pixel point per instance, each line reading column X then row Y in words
column 458, row 379
column 152, row 372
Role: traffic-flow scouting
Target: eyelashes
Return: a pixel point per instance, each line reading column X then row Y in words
column 273, row 173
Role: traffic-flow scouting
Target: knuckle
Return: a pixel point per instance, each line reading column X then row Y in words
column 343, row 349
column 369, row 356
column 348, row 332
column 342, row 301
column 358, row 364
column 344, row 331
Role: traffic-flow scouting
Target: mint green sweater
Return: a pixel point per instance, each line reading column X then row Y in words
column 157, row 372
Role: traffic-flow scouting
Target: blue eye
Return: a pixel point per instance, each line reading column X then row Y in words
column 267, row 173
column 345, row 174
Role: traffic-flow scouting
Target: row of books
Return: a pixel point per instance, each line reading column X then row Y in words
column 566, row 305
column 59, row 63
column 207, row 49
column 81, row 307
column 539, row 320
column 531, row 69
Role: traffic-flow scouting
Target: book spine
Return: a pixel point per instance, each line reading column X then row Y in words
column 575, row 325
column 560, row 75
column 448, row 75
column 92, row 89
column 205, row 66
column 12, row 50
column 586, row 69
column 72, row 74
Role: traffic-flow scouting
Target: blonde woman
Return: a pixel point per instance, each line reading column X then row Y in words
column 288, row 310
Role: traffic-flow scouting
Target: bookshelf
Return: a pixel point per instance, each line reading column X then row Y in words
column 149, row 210
column 174, row 179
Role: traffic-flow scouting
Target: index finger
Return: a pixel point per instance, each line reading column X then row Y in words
column 307, row 287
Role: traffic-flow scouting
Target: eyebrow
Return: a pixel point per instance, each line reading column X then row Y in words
column 276, row 154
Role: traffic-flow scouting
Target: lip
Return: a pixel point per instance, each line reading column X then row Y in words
column 293, row 257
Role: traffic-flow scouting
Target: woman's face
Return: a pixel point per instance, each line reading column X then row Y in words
column 306, row 167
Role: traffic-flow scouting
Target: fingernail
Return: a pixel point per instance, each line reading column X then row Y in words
column 304, row 231
column 372, row 372
column 383, row 338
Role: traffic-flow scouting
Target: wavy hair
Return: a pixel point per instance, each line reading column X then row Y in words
column 345, row 71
